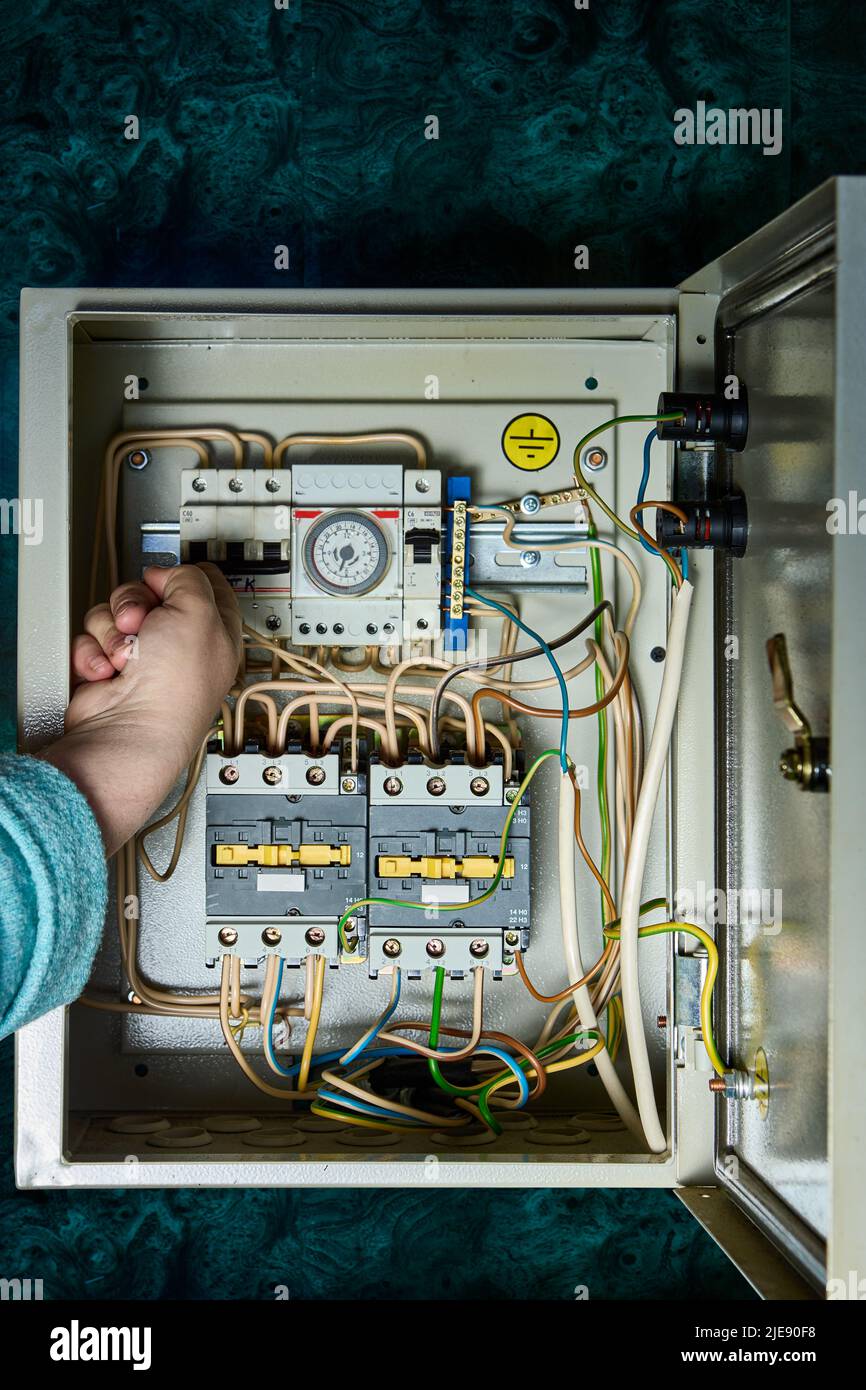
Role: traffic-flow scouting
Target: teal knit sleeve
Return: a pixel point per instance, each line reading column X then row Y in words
column 53, row 890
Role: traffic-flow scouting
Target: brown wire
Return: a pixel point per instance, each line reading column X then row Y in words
column 651, row 541
column 485, row 691
column 505, row 1038
column 569, row 989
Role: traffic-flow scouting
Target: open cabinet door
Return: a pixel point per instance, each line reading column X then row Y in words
column 790, row 810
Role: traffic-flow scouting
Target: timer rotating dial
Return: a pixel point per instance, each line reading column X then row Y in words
column 346, row 553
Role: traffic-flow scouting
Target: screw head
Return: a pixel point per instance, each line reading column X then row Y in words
column 510, row 795
column 657, row 654
column 339, row 629
column 391, row 947
column 436, row 786
column 422, row 485
column 199, row 485
column 435, row 947
column 273, row 623
column 458, row 923
column 321, row 628
column 348, row 784
column 791, row 765
column 423, row 624
column 392, row 786
column 316, row 776
column 512, row 938
column 273, row 775
column 138, row 459
column 478, row 948
column 227, row 936
column 388, row 627
column 595, row 459
column 479, row 786
column 272, row 485
column 304, row 629
column 530, row 558
column 530, row 504
column 230, row 773
column 372, row 629
column 236, row 485
column 314, row 936
column 272, row 936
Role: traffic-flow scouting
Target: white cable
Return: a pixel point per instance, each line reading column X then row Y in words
column 636, row 863
column 573, row 963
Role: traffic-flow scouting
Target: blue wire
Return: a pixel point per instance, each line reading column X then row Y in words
column 377, row 1052
column 506, row 612
column 351, row 1103
column 641, row 494
column 379, row 1024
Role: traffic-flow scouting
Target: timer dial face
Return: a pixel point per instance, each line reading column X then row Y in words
column 346, row 553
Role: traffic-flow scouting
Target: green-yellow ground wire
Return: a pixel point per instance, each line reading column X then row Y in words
column 588, row 488
column 473, row 902
column 663, row 928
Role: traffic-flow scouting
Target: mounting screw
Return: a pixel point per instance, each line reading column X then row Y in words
column 315, row 936
column 321, row 628
column 436, row 786
column 657, row 654
column 392, row 786
column 236, row 485
column 479, row 786
column 349, row 784
column 594, row 459
column 388, row 627
column 372, row 629
column 530, row 558
column 339, row 629
column 229, row 774
column 478, row 947
column 391, row 947
column 272, row 775
column 228, row 936
column 512, row 938
column 422, row 485
column 530, row 504
column 423, row 624
column 272, row 936
column 138, row 459
column 435, row 947
column 199, row 485
column 662, row 1021
column 304, row 629
column 273, row 623
column 316, row 776
column 272, row 485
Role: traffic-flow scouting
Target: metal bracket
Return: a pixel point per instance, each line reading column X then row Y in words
column 544, row 560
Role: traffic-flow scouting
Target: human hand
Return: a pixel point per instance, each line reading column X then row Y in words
column 152, row 666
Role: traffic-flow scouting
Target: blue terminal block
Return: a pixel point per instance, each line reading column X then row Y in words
column 456, row 568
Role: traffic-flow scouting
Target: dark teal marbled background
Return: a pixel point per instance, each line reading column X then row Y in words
column 305, row 127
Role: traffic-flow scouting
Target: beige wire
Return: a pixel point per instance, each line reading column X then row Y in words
column 459, row 1053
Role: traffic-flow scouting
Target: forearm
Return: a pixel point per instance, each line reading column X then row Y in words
column 123, row 786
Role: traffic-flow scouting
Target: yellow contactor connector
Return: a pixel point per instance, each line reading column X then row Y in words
column 441, row 866
column 281, row 856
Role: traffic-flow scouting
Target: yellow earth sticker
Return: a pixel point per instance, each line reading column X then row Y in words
column 530, row 442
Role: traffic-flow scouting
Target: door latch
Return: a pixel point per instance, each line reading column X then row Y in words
column 808, row 762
